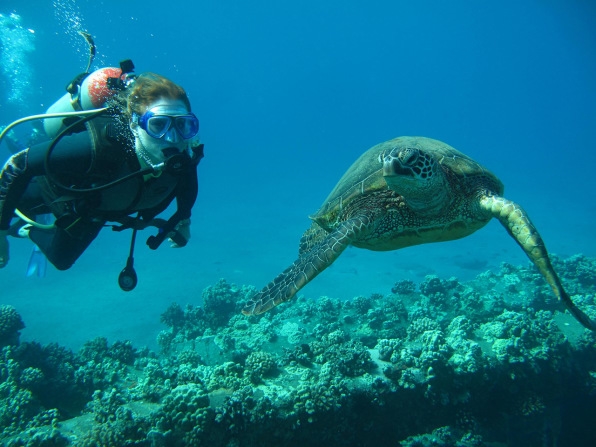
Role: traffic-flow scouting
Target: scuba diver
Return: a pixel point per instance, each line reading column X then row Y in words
column 122, row 148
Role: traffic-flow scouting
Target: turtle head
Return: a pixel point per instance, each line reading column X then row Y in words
column 417, row 176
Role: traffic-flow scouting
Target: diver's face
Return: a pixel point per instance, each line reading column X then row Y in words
column 153, row 146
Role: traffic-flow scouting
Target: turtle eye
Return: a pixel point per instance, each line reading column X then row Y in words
column 409, row 156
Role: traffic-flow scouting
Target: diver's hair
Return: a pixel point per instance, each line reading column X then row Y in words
column 148, row 88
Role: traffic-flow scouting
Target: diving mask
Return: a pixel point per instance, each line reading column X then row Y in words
column 157, row 125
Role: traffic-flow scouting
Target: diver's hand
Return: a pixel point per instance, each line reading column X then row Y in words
column 4, row 257
column 183, row 229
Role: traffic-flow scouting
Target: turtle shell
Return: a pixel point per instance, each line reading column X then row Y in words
column 366, row 174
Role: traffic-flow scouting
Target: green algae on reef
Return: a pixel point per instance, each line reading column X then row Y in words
column 494, row 360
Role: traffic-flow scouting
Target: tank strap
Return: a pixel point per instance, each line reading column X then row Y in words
column 74, row 88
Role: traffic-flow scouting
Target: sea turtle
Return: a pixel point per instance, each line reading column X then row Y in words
column 403, row 192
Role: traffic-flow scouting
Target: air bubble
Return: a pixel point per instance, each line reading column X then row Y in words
column 16, row 42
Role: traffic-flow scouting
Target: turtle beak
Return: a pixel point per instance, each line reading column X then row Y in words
column 392, row 168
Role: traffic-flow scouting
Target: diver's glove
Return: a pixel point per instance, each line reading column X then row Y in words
column 182, row 235
column 4, row 257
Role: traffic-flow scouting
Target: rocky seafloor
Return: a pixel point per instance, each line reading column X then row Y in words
column 494, row 361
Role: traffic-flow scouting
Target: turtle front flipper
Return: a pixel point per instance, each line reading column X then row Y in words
column 518, row 224
column 307, row 267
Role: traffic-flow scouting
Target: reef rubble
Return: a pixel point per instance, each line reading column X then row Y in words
column 492, row 361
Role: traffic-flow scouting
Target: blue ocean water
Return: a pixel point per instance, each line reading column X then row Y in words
column 289, row 95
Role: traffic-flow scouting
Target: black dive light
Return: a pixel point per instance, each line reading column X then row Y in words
column 127, row 280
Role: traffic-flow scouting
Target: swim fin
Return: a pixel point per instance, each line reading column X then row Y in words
column 38, row 263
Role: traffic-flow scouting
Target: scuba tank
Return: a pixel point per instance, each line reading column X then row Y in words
column 88, row 91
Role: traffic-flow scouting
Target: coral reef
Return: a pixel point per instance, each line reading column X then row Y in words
column 11, row 324
column 220, row 303
column 493, row 361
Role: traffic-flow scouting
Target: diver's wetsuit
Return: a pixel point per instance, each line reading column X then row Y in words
column 82, row 162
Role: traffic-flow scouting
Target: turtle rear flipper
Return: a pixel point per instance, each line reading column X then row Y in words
column 518, row 225
column 306, row 267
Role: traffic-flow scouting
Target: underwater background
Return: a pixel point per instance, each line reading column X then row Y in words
column 288, row 96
